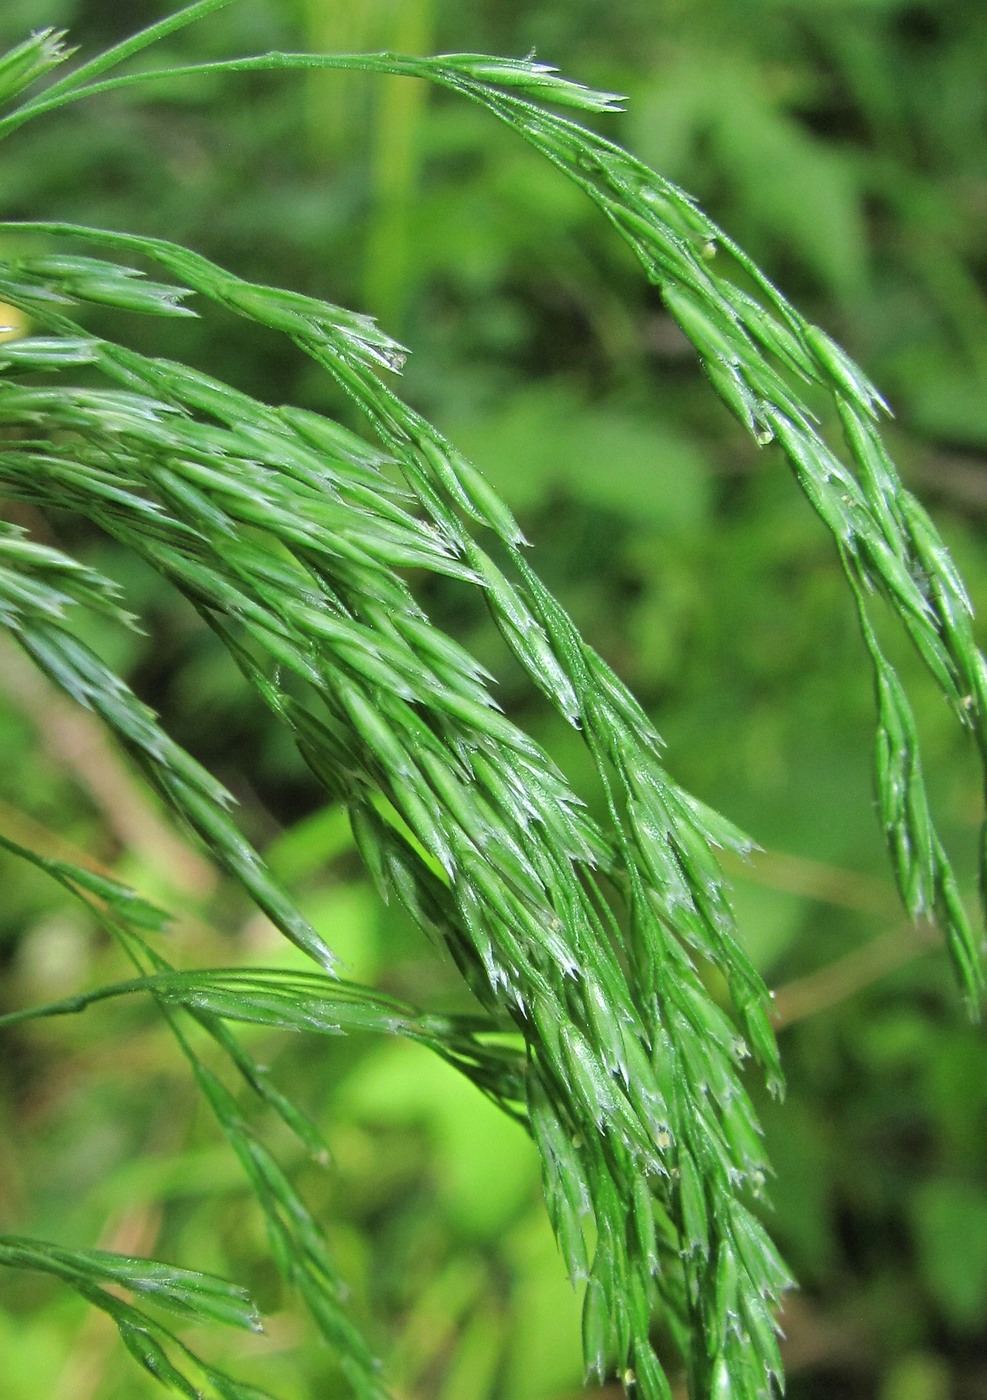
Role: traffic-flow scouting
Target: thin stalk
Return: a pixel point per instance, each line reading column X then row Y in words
column 119, row 53
column 58, row 96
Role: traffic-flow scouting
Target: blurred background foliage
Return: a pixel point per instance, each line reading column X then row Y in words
column 844, row 143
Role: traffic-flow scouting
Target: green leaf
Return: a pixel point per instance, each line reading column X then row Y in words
column 950, row 1225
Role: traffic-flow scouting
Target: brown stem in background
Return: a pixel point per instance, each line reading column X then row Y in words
column 814, row 879
column 83, row 1373
column 79, row 744
column 846, row 889
column 818, row 991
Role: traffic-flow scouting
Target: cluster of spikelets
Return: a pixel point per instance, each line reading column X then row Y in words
column 588, row 946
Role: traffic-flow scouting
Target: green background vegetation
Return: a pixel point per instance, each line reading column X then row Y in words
column 845, row 146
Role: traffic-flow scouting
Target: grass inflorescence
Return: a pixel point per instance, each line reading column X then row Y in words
column 587, row 944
